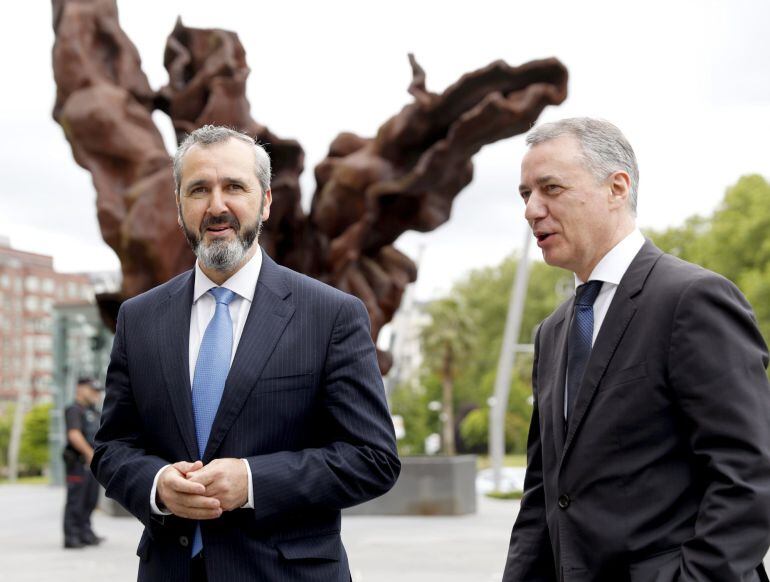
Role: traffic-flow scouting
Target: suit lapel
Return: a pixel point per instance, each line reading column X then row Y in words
column 173, row 316
column 269, row 314
column 621, row 312
column 561, row 331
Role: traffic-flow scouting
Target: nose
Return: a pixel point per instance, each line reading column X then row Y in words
column 217, row 204
column 535, row 208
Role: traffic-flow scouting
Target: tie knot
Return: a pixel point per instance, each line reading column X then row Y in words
column 586, row 294
column 222, row 295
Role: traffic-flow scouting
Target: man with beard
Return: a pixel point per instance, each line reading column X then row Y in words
column 244, row 404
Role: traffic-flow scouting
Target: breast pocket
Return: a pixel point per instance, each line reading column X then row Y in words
column 626, row 375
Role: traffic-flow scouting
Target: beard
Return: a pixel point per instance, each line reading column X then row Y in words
column 222, row 255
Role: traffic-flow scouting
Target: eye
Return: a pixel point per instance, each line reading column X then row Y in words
column 552, row 188
column 235, row 186
column 525, row 194
column 197, row 190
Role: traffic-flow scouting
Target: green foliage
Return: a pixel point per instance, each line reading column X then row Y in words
column 33, row 453
column 474, row 430
column 734, row 241
column 412, row 404
column 6, row 421
column 482, row 299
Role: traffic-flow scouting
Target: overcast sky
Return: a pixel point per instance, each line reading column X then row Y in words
column 688, row 82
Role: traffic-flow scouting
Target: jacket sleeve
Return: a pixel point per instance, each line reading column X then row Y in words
column 717, row 361
column 120, row 461
column 361, row 463
column 530, row 557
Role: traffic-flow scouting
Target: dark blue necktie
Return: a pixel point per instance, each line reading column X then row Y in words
column 580, row 335
column 211, row 369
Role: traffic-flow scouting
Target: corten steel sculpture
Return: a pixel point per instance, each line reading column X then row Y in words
column 369, row 190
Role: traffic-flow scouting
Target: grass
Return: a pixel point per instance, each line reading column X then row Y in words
column 483, row 462
column 507, row 495
column 34, row 480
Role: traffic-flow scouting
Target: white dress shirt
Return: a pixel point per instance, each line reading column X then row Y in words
column 243, row 284
column 610, row 271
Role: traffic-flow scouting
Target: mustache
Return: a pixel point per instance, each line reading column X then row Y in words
column 221, row 220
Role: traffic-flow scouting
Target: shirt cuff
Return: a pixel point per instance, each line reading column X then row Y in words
column 153, row 492
column 250, row 501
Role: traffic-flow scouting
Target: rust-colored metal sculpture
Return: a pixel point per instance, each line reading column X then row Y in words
column 369, row 190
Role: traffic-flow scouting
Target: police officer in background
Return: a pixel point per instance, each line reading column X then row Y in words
column 82, row 420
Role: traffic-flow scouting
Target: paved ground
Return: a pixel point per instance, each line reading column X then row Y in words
column 381, row 549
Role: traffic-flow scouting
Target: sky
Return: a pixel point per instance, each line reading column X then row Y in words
column 688, row 82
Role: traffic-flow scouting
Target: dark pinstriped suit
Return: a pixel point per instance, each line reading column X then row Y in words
column 303, row 403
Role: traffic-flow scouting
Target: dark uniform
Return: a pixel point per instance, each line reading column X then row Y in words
column 82, row 487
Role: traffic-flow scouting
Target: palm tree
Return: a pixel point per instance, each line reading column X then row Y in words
column 445, row 342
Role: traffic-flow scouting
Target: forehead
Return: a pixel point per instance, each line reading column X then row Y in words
column 232, row 157
column 560, row 156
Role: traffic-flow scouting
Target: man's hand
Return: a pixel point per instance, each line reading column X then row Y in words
column 224, row 479
column 184, row 497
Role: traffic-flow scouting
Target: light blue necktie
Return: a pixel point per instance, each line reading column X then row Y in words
column 211, row 371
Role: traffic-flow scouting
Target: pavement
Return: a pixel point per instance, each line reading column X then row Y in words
column 468, row 548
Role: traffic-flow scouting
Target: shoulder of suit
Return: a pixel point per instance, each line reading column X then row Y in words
column 305, row 286
column 675, row 273
column 158, row 293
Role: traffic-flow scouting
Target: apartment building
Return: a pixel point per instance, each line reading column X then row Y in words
column 29, row 290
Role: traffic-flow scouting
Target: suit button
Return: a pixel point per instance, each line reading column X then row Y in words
column 564, row 501
column 184, row 541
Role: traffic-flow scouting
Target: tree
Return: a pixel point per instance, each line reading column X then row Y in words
column 734, row 241
column 483, row 295
column 446, row 342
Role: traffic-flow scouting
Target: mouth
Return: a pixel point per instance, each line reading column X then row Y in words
column 542, row 236
column 218, row 229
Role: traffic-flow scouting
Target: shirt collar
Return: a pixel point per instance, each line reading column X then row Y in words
column 615, row 263
column 243, row 282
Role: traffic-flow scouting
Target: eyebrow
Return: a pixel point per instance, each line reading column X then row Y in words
column 195, row 183
column 539, row 181
column 205, row 182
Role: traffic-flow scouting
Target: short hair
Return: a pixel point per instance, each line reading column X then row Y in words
column 605, row 148
column 208, row 135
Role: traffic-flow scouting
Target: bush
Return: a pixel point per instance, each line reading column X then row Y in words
column 474, row 430
column 33, row 453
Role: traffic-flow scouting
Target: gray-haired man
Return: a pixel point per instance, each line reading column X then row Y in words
column 649, row 449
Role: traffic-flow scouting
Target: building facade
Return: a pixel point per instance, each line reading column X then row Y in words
column 29, row 290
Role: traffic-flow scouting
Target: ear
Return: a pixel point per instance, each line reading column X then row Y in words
column 178, row 211
column 620, row 189
column 266, row 202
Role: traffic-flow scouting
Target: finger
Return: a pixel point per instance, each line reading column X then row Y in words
column 198, row 502
column 205, row 476
column 185, row 467
column 179, row 484
column 197, row 513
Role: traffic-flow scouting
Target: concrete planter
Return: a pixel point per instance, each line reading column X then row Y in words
column 428, row 486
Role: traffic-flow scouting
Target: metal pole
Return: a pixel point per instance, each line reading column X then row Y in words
column 56, row 432
column 505, row 363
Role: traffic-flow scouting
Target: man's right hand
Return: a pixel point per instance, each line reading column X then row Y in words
column 186, row 498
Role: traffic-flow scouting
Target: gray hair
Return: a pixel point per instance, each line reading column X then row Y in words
column 605, row 148
column 214, row 134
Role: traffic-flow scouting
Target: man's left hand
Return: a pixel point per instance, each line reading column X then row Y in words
column 226, row 480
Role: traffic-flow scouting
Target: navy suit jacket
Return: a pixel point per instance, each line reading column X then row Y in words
column 303, row 403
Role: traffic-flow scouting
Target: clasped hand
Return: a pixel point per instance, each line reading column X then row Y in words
column 195, row 491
